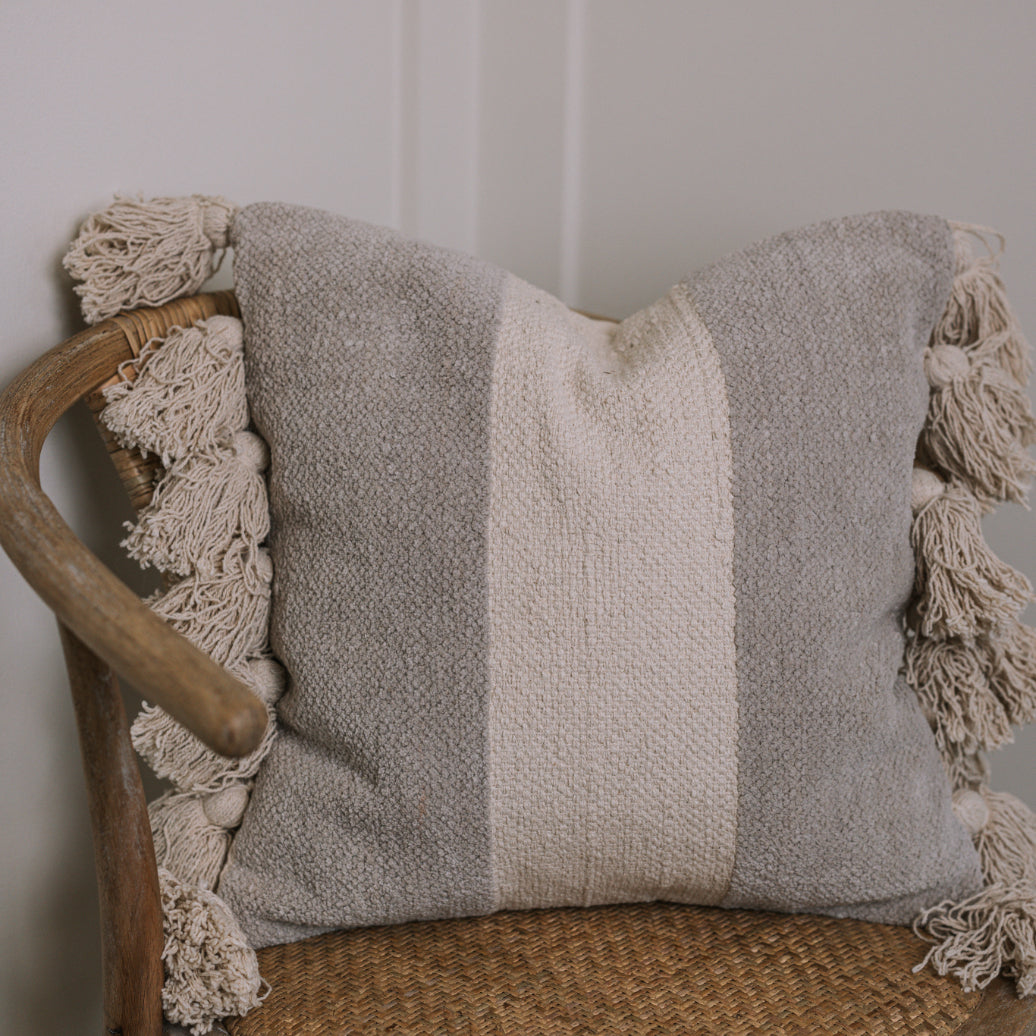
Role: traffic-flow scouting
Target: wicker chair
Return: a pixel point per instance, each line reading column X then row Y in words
column 649, row 968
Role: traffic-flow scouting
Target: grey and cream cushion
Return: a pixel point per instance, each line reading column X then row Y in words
column 575, row 612
column 582, row 613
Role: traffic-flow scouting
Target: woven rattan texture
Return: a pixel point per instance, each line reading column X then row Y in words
column 646, row 969
column 138, row 473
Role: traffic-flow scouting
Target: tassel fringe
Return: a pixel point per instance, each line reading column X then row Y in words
column 202, row 504
column 225, row 614
column 978, row 316
column 968, row 658
column 146, row 253
column 952, row 685
column 991, row 933
column 176, row 755
column 185, row 397
column 963, row 587
column 210, row 970
column 1012, row 671
column 980, row 420
column 185, row 401
column 979, row 424
column 1007, row 841
column 187, row 841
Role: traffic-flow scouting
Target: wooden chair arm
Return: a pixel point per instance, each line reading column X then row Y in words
column 87, row 597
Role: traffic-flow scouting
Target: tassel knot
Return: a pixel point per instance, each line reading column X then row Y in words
column 925, row 486
column 944, row 363
column 251, row 451
column 971, row 810
column 146, row 253
column 963, row 587
column 226, row 807
column 210, row 971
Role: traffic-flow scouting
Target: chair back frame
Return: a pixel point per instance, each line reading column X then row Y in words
column 105, row 629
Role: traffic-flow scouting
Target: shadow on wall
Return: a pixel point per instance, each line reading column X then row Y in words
column 58, row 975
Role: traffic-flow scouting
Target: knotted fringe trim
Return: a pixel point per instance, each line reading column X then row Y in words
column 954, row 691
column 227, row 613
column 980, row 420
column 211, row 971
column 185, row 400
column 974, row 691
column 1012, row 671
column 185, row 397
column 192, row 833
column 146, row 253
column 176, row 755
column 969, row 659
column 979, row 424
column 962, row 587
column 992, row 933
column 202, row 504
column 978, row 316
column 1006, row 842
column 995, row 930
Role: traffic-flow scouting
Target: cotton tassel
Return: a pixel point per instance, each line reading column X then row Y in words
column 971, row 809
column 995, row 930
column 1006, row 843
column 192, row 833
column 1012, row 670
column 991, row 933
column 176, row 755
column 978, row 317
column 226, row 614
column 963, row 587
column 951, row 683
column 211, row 972
column 188, row 393
column 965, row 769
column 979, row 424
column 146, row 253
column 202, row 503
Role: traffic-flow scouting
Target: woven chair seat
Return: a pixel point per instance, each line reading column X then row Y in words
column 653, row 968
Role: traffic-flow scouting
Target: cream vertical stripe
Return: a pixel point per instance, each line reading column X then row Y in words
column 613, row 723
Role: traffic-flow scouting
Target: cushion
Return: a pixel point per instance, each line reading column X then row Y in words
column 579, row 612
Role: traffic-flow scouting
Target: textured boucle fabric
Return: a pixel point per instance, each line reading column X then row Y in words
column 613, row 709
column 368, row 368
column 578, row 613
column 820, row 333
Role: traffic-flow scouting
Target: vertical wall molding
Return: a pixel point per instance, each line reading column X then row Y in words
column 572, row 151
column 481, row 89
column 405, row 43
column 436, row 120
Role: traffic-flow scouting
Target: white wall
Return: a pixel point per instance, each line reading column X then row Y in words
column 598, row 148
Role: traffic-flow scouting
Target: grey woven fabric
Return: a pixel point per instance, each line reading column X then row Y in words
column 820, row 333
column 368, row 366
column 521, row 558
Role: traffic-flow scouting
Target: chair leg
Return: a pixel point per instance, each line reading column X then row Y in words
column 124, row 854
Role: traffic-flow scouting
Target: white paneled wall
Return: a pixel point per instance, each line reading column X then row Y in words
column 598, row 148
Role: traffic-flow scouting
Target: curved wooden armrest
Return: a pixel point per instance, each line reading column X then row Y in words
column 85, row 595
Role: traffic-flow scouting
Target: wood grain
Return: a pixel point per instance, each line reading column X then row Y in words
column 124, row 853
column 105, row 626
column 1001, row 1013
column 100, row 609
